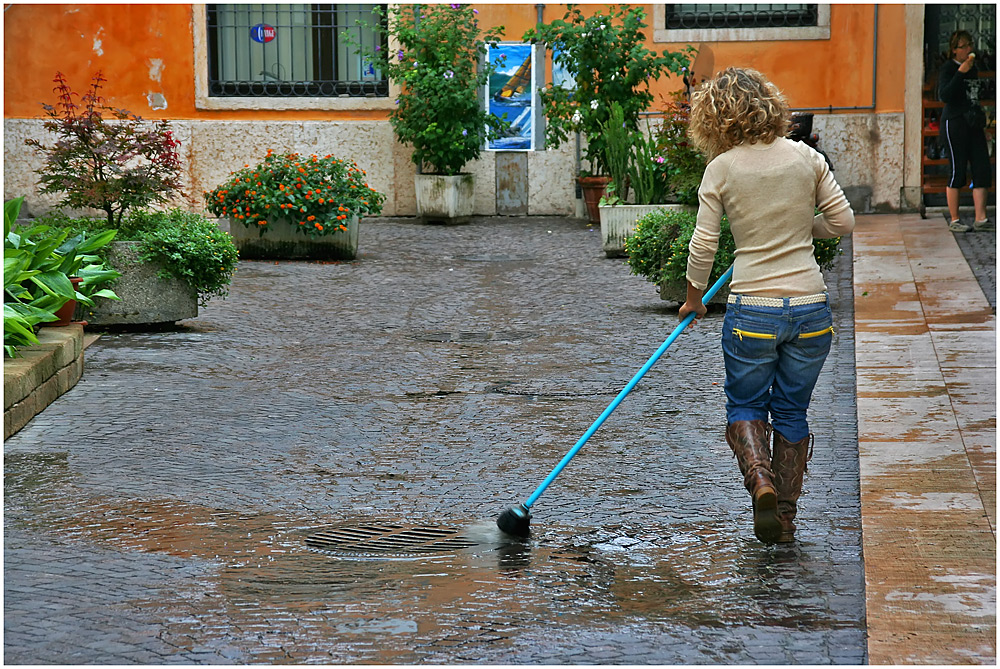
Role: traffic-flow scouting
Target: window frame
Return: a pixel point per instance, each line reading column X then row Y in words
column 202, row 99
column 694, row 35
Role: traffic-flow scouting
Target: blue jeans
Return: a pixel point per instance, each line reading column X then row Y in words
column 773, row 358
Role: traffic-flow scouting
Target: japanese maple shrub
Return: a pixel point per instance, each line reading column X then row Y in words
column 105, row 158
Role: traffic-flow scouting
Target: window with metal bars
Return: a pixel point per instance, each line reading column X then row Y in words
column 748, row 15
column 292, row 50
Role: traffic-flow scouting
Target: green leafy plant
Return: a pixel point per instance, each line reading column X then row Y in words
column 320, row 194
column 649, row 171
column 658, row 250
column 191, row 247
column 112, row 164
column 38, row 263
column 607, row 57
column 440, row 68
column 618, row 155
column 683, row 164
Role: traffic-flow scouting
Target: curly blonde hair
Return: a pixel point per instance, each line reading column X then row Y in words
column 737, row 106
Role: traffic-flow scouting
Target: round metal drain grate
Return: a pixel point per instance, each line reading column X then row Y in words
column 389, row 539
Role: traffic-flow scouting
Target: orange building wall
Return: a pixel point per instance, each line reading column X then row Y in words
column 144, row 49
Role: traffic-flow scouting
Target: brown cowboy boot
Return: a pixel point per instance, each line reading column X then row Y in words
column 750, row 441
column 788, row 464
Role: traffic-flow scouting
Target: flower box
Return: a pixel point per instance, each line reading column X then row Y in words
column 445, row 199
column 618, row 222
column 146, row 297
column 283, row 240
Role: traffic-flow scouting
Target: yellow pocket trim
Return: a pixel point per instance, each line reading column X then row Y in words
column 752, row 335
column 819, row 333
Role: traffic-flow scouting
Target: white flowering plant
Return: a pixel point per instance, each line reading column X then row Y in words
column 438, row 62
column 607, row 57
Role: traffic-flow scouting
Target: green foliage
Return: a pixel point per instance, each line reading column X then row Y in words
column 114, row 165
column 683, row 163
column 618, row 154
column 658, row 250
column 38, row 263
column 320, row 194
column 648, row 171
column 607, row 57
column 440, row 68
column 659, row 165
column 190, row 247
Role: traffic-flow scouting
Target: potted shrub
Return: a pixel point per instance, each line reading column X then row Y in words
column 291, row 206
column 170, row 262
column 658, row 251
column 438, row 62
column 112, row 164
column 112, row 160
column 658, row 169
column 607, row 58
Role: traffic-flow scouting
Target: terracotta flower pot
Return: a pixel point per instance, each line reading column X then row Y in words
column 593, row 190
column 66, row 311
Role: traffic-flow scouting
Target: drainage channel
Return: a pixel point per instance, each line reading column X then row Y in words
column 389, row 540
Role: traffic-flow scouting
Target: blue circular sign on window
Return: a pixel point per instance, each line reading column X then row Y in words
column 263, row 33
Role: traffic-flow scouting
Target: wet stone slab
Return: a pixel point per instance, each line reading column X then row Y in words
column 160, row 511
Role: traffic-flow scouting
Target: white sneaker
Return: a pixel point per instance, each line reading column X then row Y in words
column 958, row 226
column 982, row 226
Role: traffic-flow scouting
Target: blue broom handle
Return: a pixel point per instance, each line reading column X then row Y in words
column 627, row 389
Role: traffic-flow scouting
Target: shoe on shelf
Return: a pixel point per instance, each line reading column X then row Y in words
column 958, row 226
column 983, row 226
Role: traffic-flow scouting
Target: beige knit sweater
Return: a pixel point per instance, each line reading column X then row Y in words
column 768, row 192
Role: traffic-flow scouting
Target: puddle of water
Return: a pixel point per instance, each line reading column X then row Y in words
column 269, row 598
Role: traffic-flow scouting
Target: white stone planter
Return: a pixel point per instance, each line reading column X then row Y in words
column 445, row 199
column 618, row 222
column 147, row 298
column 282, row 240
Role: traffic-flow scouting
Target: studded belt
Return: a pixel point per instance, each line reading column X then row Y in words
column 753, row 301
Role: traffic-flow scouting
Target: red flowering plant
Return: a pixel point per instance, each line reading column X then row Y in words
column 319, row 194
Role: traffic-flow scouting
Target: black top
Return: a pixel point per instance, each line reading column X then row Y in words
column 952, row 90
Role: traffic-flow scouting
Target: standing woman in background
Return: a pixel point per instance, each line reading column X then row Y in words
column 778, row 328
column 964, row 137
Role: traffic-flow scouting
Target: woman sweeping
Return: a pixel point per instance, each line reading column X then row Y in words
column 778, row 327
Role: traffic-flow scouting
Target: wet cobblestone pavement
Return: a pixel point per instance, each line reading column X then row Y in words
column 157, row 513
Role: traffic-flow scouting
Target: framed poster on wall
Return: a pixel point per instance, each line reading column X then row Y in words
column 511, row 95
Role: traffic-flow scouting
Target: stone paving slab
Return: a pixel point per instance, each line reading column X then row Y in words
column 157, row 513
column 927, row 440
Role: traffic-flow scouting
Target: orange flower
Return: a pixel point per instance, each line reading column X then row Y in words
column 310, row 218
column 281, row 186
column 319, row 226
column 322, row 201
column 262, row 222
